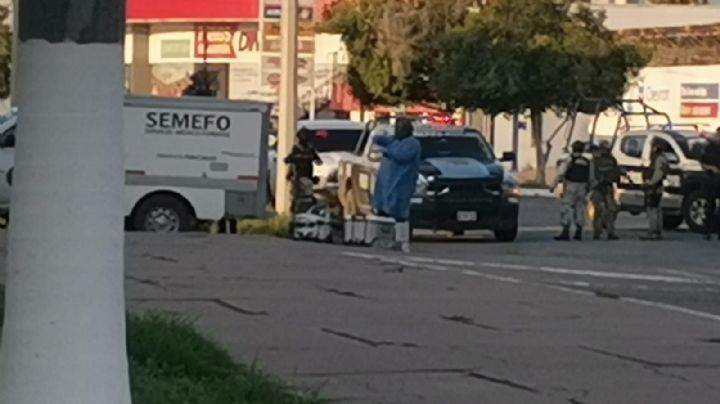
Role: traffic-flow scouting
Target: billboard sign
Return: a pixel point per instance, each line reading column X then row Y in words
column 699, row 110
column 699, row 91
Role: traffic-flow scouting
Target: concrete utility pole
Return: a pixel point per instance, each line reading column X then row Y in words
column 63, row 338
column 288, row 101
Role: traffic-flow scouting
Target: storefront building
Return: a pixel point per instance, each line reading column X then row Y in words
column 168, row 40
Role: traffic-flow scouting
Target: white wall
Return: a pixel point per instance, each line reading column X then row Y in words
column 654, row 16
column 666, row 89
column 669, row 89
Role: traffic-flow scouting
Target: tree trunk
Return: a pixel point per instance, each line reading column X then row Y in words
column 63, row 339
column 492, row 129
column 536, row 122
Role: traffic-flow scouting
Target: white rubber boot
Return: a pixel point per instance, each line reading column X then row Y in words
column 402, row 236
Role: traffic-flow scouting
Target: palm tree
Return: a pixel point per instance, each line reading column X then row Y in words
column 64, row 334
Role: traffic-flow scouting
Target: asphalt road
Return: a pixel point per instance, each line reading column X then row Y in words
column 682, row 270
column 455, row 322
column 458, row 321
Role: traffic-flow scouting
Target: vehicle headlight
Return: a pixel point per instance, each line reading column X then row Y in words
column 673, row 181
column 422, row 184
column 510, row 190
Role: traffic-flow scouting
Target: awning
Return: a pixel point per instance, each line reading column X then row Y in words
column 192, row 10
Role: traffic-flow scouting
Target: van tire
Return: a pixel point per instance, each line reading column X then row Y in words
column 691, row 204
column 163, row 213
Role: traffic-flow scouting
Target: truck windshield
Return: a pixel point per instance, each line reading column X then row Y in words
column 335, row 140
column 456, row 146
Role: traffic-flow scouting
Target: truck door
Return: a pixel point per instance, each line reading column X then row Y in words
column 629, row 153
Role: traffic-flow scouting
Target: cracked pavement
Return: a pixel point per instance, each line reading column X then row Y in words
column 456, row 322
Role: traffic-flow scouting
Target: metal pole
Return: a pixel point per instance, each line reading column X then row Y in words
column 288, row 101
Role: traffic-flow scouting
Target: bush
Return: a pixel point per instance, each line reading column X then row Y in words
column 171, row 363
column 278, row 226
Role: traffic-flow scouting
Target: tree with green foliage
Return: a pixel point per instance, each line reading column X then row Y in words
column 392, row 45
column 520, row 55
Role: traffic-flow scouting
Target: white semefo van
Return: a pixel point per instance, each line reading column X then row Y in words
column 188, row 160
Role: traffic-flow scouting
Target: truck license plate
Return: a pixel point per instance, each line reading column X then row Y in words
column 464, row 216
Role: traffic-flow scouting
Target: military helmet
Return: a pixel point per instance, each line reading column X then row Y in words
column 578, row 146
column 604, row 146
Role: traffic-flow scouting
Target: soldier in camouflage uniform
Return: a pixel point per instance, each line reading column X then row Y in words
column 301, row 160
column 574, row 174
column 605, row 174
column 654, row 177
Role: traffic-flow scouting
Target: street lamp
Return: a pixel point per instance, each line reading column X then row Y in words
column 288, row 101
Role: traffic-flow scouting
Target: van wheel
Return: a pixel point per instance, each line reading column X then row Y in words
column 695, row 211
column 163, row 214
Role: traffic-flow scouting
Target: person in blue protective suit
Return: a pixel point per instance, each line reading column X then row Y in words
column 397, row 177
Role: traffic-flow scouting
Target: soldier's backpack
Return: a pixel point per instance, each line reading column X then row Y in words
column 607, row 171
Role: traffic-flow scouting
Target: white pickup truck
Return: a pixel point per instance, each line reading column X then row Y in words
column 683, row 200
column 186, row 160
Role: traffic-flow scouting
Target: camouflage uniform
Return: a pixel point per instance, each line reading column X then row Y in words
column 574, row 173
column 654, row 178
column 605, row 174
column 574, row 204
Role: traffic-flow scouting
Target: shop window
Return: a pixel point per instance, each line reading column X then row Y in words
column 175, row 49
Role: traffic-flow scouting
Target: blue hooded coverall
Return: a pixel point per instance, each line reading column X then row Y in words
column 397, row 177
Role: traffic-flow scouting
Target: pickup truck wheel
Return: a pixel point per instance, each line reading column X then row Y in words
column 694, row 211
column 672, row 222
column 162, row 214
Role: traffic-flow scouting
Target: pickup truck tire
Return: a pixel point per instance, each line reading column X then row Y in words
column 672, row 222
column 694, row 207
column 506, row 235
column 162, row 214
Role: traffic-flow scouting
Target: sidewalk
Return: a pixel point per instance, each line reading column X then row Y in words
column 367, row 332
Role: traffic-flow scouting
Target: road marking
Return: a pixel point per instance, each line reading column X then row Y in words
column 672, row 307
column 543, row 229
column 428, row 263
column 562, row 271
column 491, row 277
column 442, row 261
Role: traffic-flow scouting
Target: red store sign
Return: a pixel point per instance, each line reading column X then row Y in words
column 699, row 110
column 215, row 41
column 193, row 10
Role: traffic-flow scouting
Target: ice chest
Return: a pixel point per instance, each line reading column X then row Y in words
column 314, row 225
column 370, row 231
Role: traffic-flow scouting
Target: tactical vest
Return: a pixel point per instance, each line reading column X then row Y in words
column 578, row 170
column 607, row 171
column 648, row 172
